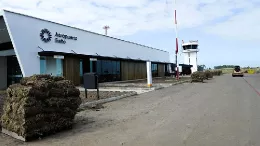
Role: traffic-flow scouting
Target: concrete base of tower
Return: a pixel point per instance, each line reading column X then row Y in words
column 194, row 69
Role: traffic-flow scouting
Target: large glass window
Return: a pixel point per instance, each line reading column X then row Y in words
column 108, row 70
column 104, row 67
column 52, row 66
column 118, row 67
column 13, row 70
column 114, row 67
column 188, row 47
column 154, row 70
column 59, row 67
column 81, row 68
column 99, row 67
column 110, row 67
column 43, row 65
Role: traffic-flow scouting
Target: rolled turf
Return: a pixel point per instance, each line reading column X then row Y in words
column 39, row 106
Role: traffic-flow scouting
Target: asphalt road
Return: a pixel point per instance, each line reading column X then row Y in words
column 223, row 112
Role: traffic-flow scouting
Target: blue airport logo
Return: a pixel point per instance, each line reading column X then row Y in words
column 45, row 35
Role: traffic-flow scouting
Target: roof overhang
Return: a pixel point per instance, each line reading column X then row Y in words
column 52, row 53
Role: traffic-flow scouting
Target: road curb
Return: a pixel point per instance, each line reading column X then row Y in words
column 173, row 84
column 102, row 101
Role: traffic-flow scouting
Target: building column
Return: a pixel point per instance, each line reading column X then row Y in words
column 149, row 73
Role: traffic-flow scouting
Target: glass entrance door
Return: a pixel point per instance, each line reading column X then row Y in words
column 14, row 73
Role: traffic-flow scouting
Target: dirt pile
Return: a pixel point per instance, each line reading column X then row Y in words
column 39, row 106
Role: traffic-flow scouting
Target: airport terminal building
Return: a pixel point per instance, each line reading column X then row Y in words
column 30, row 45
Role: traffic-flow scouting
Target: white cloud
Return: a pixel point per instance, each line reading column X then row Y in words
column 244, row 26
column 127, row 17
column 120, row 3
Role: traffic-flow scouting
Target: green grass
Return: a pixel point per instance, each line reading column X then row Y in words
column 227, row 70
column 230, row 70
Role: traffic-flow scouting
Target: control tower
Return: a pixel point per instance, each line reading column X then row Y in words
column 190, row 50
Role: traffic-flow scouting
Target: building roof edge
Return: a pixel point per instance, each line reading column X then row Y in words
column 81, row 29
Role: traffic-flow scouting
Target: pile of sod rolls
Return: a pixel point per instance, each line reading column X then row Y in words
column 217, row 72
column 208, row 74
column 200, row 76
column 39, row 106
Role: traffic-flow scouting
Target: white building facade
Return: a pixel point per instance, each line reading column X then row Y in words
column 36, row 46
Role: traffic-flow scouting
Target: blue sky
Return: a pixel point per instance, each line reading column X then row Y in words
column 227, row 30
column 214, row 50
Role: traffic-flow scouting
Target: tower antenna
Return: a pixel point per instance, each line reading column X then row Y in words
column 106, row 28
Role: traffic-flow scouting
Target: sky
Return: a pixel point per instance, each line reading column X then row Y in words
column 227, row 30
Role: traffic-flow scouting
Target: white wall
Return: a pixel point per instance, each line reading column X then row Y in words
column 25, row 36
column 193, row 61
column 3, row 72
column 186, row 58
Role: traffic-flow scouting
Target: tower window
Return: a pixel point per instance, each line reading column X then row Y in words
column 188, row 47
column 194, row 46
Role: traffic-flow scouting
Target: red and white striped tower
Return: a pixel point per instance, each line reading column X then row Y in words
column 177, row 46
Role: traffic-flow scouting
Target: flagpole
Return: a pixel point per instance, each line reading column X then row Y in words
column 176, row 51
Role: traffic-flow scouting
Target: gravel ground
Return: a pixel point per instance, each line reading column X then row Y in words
column 222, row 112
column 92, row 95
column 163, row 80
column 143, row 83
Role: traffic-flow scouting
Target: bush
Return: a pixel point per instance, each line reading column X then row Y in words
column 198, row 76
column 208, row 74
column 39, row 106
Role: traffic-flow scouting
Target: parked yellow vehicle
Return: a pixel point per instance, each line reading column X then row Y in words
column 237, row 72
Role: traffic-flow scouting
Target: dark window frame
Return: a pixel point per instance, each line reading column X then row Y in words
column 154, row 69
